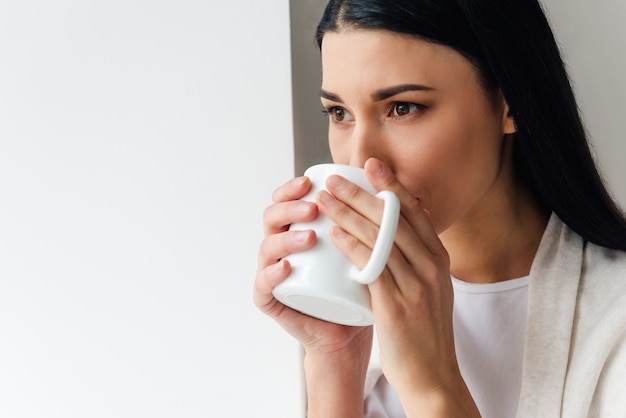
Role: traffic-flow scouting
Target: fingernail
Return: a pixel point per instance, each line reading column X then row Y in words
column 335, row 181
column 338, row 233
column 301, row 237
column 325, row 198
column 277, row 268
column 377, row 167
column 303, row 208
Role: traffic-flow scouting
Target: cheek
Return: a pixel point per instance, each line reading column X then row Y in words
column 424, row 164
column 450, row 167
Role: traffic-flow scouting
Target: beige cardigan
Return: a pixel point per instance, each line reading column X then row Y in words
column 575, row 349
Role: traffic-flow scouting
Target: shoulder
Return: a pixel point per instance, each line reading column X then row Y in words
column 601, row 260
column 602, row 315
column 603, row 271
column 600, row 289
column 601, row 301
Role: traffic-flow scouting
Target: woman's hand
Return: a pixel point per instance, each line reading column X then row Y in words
column 336, row 355
column 412, row 300
column 315, row 335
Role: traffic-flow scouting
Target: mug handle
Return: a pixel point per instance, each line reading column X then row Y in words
column 384, row 241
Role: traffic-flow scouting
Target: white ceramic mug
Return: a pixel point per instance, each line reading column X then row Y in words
column 323, row 282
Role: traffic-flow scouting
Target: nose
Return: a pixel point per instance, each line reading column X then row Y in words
column 367, row 141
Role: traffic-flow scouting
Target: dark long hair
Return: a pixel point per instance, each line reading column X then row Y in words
column 512, row 46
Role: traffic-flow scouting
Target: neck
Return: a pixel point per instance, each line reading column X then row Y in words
column 498, row 243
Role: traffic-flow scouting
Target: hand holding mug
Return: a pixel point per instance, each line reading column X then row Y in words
column 323, row 282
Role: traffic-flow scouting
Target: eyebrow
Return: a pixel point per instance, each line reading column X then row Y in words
column 330, row 96
column 381, row 94
column 388, row 92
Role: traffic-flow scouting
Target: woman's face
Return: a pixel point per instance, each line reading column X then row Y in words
column 421, row 109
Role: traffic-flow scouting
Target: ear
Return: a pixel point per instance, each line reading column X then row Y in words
column 508, row 122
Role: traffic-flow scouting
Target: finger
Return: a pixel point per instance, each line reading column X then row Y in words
column 292, row 190
column 353, row 248
column 267, row 279
column 279, row 216
column 263, row 297
column 351, row 221
column 356, row 237
column 396, row 284
column 277, row 246
column 355, row 197
column 420, row 252
column 347, row 198
column 359, row 254
column 382, row 178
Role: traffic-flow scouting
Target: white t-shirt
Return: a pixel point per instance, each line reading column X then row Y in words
column 489, row 324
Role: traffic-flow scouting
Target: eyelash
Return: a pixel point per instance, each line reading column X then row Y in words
column 328, row 111
column 393, row 105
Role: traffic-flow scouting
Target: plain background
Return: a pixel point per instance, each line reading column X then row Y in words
column 140, row 142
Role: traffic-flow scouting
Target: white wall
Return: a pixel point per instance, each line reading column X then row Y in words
column 139, row 143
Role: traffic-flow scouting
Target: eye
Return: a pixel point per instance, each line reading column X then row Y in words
column 399, row 109
column 338, row 114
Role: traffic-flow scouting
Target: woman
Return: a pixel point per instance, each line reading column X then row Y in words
column 505, row 292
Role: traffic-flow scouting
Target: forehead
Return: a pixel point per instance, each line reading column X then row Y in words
column 371, row 58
